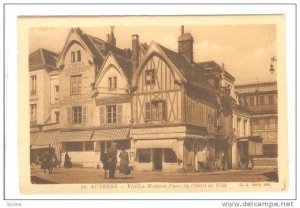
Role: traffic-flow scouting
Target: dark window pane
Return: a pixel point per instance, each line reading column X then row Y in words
column 144, row 155
column 170, row 156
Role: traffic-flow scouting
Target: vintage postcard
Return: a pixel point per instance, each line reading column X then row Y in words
column 141, row 104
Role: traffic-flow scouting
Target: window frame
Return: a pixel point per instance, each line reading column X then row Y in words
column 33, row 108
column 57, row 114
column 75, row 84
column 33, row 82
column 151, row 73
column 73, row 57
column 111, row 114
column 112, row 83
column 156, row 110
column 78, row 56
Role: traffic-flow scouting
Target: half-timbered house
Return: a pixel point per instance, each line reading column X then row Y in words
column 177, row 111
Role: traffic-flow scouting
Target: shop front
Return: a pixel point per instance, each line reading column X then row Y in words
column 158, row 154
column 248, row 148
column 79, row 146
column 42, row 141
column 104, row 138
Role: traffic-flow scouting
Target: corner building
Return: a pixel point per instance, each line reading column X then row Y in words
column 177, row 110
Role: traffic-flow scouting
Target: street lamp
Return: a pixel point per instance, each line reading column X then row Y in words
column 273, row 59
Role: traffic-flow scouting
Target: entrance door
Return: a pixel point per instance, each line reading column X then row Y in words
column 157, row 157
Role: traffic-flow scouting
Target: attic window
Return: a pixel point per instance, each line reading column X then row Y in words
column 78, row 56
column 73, row 57
column 150, row 77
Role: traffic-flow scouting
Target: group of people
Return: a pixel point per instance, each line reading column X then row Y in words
column 48, row 160
column 109, row 161
column 206, row 162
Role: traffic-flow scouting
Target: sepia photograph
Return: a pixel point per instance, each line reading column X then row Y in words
column 154, row 104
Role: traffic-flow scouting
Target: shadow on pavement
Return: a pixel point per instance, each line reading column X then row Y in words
column 271, row 176
column 37, row 180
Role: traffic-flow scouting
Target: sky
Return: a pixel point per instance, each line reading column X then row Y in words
column 245, row 50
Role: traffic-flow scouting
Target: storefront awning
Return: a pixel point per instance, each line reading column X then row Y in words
column 43, row 139
column 154, row 143
column 111, row 134
column 74, row 136
column 33, row 137
column 256, row 139
column 158, row 143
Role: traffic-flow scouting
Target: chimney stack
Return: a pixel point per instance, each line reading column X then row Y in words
column 135, row 53
column 111, row 37
column 185, row 45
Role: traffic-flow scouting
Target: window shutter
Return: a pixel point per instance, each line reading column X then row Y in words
column 120, row 113
column 165, row 111
column 147, row 111
column 69, row 115
column 102, row 115
column 84, row 116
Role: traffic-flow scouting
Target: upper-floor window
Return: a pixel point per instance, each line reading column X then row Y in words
column 56, row 92
column 78, row 114
column 150, row 77
column 75, row 84
column 262, row 100
column 252, row 102
column 33, row 85
column 75, row 56
column 156, row 111
column 111, row 114
column 78, row 56
column 33, row 111
column 112, row 83
column 271, row 99
column 56, row 116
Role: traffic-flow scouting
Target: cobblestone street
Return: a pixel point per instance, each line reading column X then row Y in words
column 89, row 175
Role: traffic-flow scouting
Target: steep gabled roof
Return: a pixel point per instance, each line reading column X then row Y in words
column 97, row 47
column 42, row 58
column 125, row 64
column 191, row 73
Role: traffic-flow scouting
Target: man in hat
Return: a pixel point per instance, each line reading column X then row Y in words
column 112, row 160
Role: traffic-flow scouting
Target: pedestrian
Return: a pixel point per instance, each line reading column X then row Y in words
column 112, row 160
column 124, row 162
column 44, row 161
column 67, row 163
column 200, row 161
column 104, row 160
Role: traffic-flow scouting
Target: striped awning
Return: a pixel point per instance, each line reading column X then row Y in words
column 74, row 136
column 33, row 137
column 111, row 134
column 43, row 139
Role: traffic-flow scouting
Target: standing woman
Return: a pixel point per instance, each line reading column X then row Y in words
column 124, row 162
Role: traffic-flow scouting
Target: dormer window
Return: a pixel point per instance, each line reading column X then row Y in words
column 73, row 60
column 75, row 56
column 112, row 83
column 150, row 77
column 78, row 56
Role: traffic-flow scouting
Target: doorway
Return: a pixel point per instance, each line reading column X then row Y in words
column 157, row 158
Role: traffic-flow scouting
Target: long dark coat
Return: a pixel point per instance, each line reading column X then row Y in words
column 124, row 162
